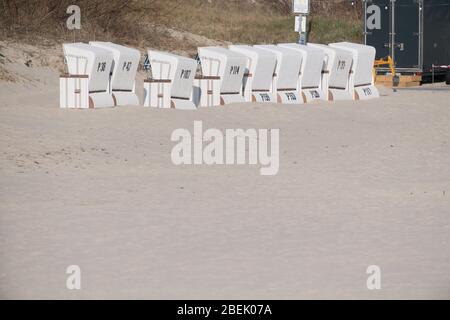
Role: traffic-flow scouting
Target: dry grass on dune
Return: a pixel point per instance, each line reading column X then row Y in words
column 139, row 22
column 113, row 19
column 179, row 26
column 260, row 22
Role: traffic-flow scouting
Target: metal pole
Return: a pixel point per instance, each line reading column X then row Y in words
column 302, row 39
column 303, row 32
column 432, row 78
column 393, row 30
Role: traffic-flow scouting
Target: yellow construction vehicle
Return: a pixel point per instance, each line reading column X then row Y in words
column 386, row 61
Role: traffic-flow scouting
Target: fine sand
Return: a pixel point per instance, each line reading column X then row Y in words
column 360, row 184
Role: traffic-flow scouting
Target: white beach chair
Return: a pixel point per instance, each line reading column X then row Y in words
column 311, row 71
column 229, row 66
column 172, row 81
column 335, row 72
column 87, row 83
column 260, row 69
column 123, row 78
column 287, row 71
column 362, row 85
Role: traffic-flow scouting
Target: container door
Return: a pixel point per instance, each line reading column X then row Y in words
column 436, row 33
column 377, row 25
column 407, row 34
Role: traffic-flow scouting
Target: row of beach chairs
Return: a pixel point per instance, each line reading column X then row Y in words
column 103, row 74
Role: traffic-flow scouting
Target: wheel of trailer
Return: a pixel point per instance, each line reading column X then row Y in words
column 447, row 77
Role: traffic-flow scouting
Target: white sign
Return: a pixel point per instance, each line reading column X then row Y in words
column 300, row 6
column 300, row 24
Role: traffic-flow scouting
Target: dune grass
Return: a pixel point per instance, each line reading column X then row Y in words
column 249, row 23
column 143, row 23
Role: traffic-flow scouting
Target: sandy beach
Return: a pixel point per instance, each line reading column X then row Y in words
column 360, row 183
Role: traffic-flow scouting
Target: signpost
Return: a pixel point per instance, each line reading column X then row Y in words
column 301, row 10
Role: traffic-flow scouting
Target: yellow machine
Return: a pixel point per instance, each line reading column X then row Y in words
column 387, row 61
column 394, row 79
